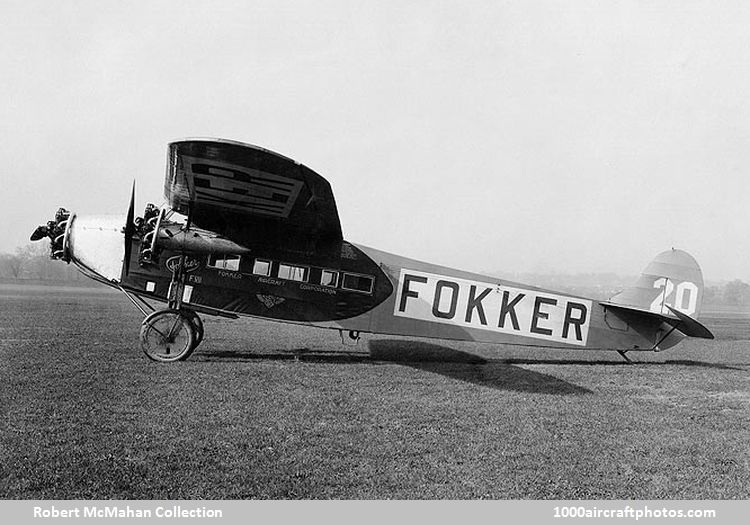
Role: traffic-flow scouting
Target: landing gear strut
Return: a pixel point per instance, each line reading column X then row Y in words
column 167, row 335
column 171, row 335
column 197, row 326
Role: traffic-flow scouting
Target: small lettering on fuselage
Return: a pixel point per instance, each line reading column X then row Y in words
column 498, row 308
column 322, row 289
column 270, row 280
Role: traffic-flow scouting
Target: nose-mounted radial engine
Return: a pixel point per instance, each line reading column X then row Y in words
column 56, row 230
column 147, row 258
column 101, row 247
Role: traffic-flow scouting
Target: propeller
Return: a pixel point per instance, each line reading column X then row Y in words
column 129, row 230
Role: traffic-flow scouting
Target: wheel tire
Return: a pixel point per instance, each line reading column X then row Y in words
column 197, row 323
column 167, row 336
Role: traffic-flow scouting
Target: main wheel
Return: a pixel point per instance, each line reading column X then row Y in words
column 197, row 326
column 167, row 335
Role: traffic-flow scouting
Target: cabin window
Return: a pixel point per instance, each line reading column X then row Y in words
column 357, row 283
column 329, row 278
column 262, row 267
column 224, row 262
column 293, row 273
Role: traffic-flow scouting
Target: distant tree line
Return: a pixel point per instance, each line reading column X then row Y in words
column 33, row 262
column 733, row 293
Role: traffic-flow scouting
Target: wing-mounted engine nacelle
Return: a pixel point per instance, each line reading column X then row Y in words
column 146, row 228
column 56, row 231
column 157, row 233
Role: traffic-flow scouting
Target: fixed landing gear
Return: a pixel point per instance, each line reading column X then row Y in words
column 171, row 335
column 197, row 326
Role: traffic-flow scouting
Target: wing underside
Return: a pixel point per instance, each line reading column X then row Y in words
column 250, row 194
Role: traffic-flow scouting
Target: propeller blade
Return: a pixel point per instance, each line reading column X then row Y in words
column 129, row 230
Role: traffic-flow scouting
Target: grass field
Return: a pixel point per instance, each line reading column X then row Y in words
column 266, row 410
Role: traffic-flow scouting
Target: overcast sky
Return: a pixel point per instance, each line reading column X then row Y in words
column 509, row 136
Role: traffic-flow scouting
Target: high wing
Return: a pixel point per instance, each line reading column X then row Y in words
column 250, row 195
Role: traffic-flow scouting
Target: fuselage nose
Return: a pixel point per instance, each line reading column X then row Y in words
column 97, row 243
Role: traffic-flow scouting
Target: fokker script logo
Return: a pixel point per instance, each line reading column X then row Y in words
column 191, row 264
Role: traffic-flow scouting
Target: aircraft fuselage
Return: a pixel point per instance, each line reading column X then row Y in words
column 356, row 288
column 262, row 238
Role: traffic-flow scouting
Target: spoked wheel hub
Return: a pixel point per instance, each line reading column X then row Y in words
column 169, row 335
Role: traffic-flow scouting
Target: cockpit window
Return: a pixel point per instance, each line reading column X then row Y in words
column 224, row 262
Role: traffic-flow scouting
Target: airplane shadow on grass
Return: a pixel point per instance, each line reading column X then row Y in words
column 441, row 360
column 681, row 362
column 415, row 352
column 467, row 367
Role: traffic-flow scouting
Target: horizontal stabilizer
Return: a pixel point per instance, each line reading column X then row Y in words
column 690, row 326
column 682, row 322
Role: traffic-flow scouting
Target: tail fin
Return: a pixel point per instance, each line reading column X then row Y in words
column 672, row 280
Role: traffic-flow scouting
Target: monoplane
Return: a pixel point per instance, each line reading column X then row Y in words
column 249, row 232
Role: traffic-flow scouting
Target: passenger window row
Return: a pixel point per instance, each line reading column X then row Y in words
column 291, row 272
